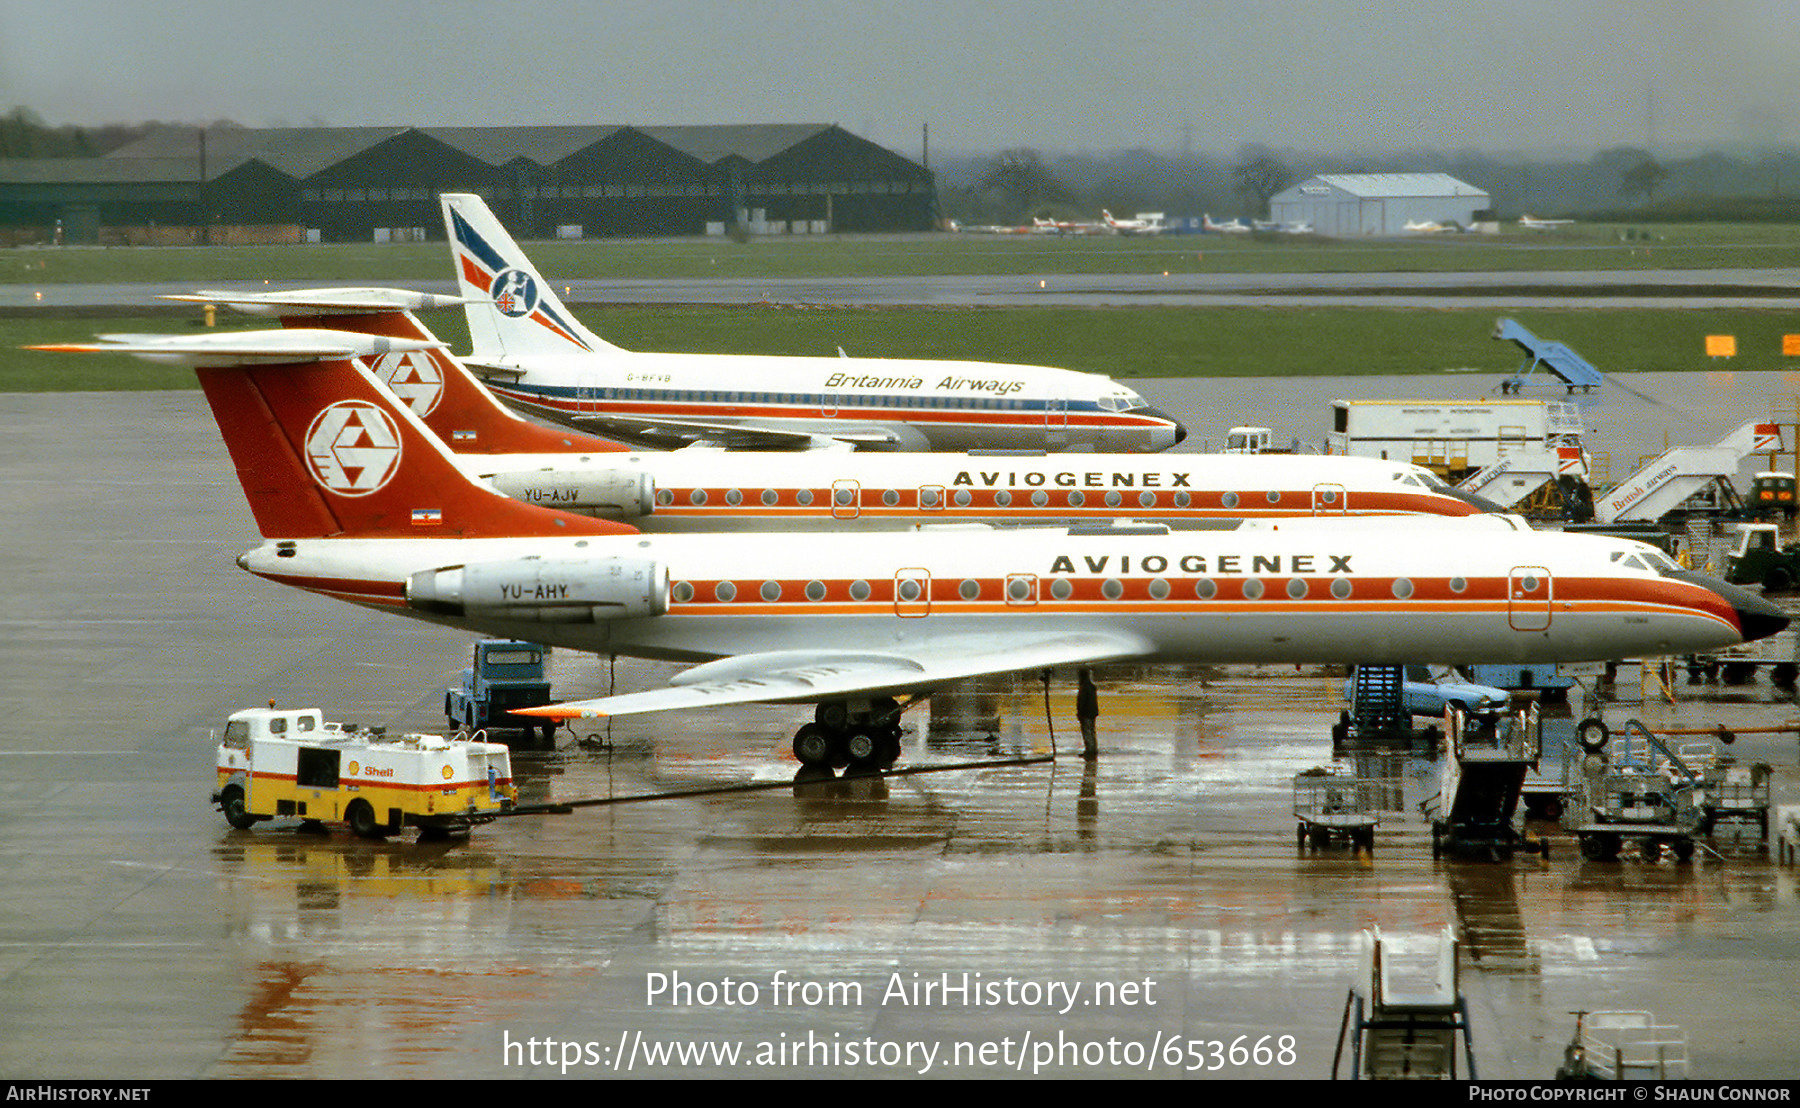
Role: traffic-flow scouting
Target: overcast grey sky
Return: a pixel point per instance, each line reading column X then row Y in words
column 1072, row 75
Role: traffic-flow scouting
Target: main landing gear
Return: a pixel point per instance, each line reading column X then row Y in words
column 861, row 734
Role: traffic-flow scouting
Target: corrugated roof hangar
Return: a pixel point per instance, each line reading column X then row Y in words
column 1347, row 205
column 356, row 184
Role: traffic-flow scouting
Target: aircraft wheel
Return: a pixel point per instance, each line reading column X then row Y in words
column 812, row 745
column 232, row 801
column 863, row 748
column 1591, row 733
column 361, row 818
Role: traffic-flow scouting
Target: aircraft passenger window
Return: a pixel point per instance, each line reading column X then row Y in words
column 1061, row 589
column 770, row 498
column 771, row 590
column 1018, row 589
column 1528, row 583
column 891, row 498
column 1146, row 499
column 804, row 498
column 697, row 497
column 1077, row 499
column 970, row 589
column 725, row 591
column 682, row 592
column 1040, row 498
column 1113, row 499
column 928, row 498
column 1403, row 589
column 843, row 497
column 1272, row 496
column 1183, row 500
column 1113, row 589
column 1253, row 589
column 859, row 590
column 1329, row 496
column 1340, row 588
column 963, row 499
column 909, row 589
column 665, row 497
column 815, row 590
column 1159, row 589
column 1459, row 584
column 1003, row 499
column 1205, row 589
column 1229, row 500
column 733, row 497
column 1296, row 589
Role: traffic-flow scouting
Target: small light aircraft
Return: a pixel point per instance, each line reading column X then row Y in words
column 1144, row 223
column 357, row 500
column 706, row 489
column 1229, row 227
column 1531, row 223
column 1426, row 227
column 534, row 355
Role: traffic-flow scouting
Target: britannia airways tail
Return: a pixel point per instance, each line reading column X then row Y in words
column 537, row 356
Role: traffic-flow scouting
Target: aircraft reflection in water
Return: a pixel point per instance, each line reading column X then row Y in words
column 698, row 489
column 358, row 500
column 536, row 356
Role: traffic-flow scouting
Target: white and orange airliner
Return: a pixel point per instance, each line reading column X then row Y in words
column 708, row 489
column 357, row 500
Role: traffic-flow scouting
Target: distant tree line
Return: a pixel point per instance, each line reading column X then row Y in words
column 23, row 134
column 1624, row 183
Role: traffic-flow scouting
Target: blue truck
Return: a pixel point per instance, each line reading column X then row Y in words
column 506, row 674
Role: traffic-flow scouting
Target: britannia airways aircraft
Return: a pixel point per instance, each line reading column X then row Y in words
column 708, row 489
column 356, row 499
column 534, row 354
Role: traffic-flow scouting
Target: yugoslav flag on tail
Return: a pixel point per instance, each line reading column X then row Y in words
column 323, row 449
column 512, row 310
column 440, row 390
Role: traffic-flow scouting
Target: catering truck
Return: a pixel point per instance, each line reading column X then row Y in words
column 1453, row 438
column 291, row 763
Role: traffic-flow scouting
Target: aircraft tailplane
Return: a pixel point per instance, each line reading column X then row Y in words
column 324, row 449
column 512, row 310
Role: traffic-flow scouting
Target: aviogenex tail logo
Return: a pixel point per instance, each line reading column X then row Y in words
column 415, row 378
column 353, row 448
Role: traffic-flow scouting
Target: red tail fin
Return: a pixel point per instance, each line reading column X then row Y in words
column 458, row 408
column 322, row 449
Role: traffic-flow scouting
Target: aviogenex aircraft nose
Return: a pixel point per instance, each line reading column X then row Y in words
column 1756, row 617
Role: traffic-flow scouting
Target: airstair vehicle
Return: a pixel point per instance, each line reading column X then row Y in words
column 1687, row 472
column 1407, row 1023
column 1482, row 776
column 1567, row 367
column 1534, row 480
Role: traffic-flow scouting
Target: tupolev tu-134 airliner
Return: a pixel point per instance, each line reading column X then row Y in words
column 357, row 500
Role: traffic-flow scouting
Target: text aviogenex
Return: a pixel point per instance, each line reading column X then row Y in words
column 1198, row 563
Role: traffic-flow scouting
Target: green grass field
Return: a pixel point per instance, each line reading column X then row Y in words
column 1151, row 341
column 1583, row 246
column 1121, row 342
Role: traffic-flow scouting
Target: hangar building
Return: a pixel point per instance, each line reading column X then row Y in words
column 1349, row 205
column 361, row 184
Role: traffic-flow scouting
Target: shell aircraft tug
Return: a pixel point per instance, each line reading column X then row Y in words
column 357, row 500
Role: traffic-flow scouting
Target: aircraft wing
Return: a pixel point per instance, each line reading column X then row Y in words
column 670, row 434
column 813, row 675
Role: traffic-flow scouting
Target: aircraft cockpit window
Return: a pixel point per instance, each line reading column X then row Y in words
column 1660, row 561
